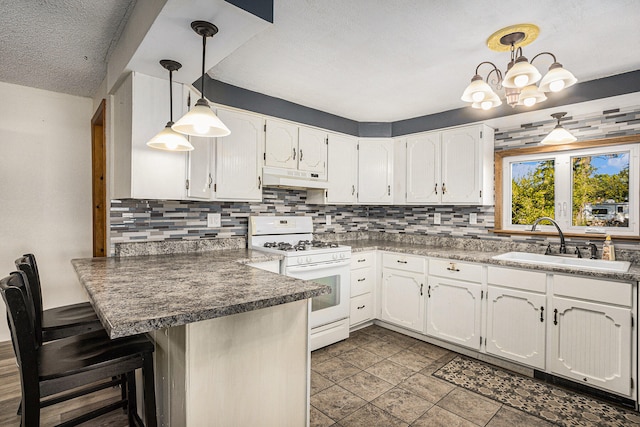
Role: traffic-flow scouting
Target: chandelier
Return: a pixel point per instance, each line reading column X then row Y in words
column 519, row 81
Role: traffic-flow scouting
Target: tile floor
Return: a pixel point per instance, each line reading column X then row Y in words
column 378, row 377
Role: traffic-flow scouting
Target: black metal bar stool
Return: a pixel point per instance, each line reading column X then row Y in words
column 77, row 361
column 58, row 322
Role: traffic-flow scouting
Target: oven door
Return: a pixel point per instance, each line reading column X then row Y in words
column 330, row 307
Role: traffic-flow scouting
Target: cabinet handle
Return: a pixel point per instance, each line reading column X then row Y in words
column 388, row 190
column 453, row 269
column 444, row 188
column 362, row 280
column 429, row 292
column 259, row 183
column 402, row 262
column 541, row 313
column 435, row 188
column 300, row 154
column 210, row 180
column 555, row 316
column 361, row 307
column 362, row 260
column 421, row 286
column 294, row 154
column 353, row 190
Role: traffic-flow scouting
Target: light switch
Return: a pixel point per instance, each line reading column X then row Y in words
column 213, row 220
column 473, row 218
column 327, row 219
column 436, row 218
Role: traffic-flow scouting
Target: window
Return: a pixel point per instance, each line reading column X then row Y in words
column 586, row 190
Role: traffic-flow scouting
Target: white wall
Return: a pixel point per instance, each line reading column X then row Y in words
column 45, row 188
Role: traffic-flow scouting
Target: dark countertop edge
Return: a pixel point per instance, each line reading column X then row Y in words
column 483, row 257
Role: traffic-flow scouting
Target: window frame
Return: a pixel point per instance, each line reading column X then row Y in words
column 504, row 158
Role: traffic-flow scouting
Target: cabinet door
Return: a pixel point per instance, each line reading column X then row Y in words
column 591, row 343
column 281, row 144
column 312, row 151
column 375, row 171
column 199, row 161
column 423, row 168
column 402, row 299
column 361, row 309
column 238, row 162
column 461, row 165
column 516, row 323
column 342, row 169
column 453, row 311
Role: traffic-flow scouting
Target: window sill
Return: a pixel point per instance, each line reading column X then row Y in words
column 588, row 236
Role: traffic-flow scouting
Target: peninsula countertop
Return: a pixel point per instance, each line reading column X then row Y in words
column 137, row 294
column 482, row 257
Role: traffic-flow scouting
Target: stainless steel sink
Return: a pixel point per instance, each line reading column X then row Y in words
column 560, row 261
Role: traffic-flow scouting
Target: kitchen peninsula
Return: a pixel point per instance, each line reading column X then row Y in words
column 231, row 339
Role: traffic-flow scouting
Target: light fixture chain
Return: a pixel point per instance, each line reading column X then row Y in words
column 204, row 51
column 171, row 96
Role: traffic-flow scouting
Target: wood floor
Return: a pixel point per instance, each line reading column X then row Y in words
column 10, row 398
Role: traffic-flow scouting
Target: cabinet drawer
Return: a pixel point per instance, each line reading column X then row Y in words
column 404, row 262
column 362, row 259
column 455, row 270
column 361, row 308
column 519, row 279
column 362, row 280
column 604, row 291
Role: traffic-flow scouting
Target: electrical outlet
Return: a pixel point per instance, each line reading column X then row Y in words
column 213, row 220
column 327, row 219
column 436, row 218
column 473, row 218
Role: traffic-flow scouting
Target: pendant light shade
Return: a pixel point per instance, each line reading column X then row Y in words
column 168, row 139
column 531, row 95
column 558, row 135
column 477, row 90
column 201, row 120
column 488, row 103
column 521, row 74
column 556, row 79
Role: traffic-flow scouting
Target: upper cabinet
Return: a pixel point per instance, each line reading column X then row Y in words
column 342, row 168
column 375, row 171
column 452, row 167
column 228, row 168
column 140, row 111
column 290, row 146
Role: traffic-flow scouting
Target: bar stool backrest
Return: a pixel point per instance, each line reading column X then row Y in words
column 27, row 264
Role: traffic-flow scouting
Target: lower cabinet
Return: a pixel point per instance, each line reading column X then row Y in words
column 403, row 291
column 363, row 279
column 453, row 305
column 591, row 340
column 517, row 315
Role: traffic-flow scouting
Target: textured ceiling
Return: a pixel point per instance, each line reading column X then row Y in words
column 385, row 61
column 59, row 45
column 361, row 59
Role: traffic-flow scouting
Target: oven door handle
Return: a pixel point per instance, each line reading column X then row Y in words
column 315, row 267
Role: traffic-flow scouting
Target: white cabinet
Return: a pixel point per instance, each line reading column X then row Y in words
column 228, row 168
column 363, row 278
column 453, row 302
column 403, row 289
column 591, row 334
column 291, row 146
column 375, row 171
column 140, row 111
column 342, row 168
column 516, row 315
column 453, row 167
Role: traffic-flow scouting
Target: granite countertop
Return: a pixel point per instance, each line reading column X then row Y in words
column 484, row 257
column 137, row 294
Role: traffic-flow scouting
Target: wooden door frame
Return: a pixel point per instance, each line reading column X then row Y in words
column 98, row 182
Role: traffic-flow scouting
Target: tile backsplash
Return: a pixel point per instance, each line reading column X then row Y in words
column 158, row 220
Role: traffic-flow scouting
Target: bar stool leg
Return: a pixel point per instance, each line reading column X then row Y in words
column 149, row 390
column 132, row 407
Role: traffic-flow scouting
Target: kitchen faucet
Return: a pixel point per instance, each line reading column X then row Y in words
column 563, row 246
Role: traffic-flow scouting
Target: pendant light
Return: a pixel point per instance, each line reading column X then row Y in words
column 558, row 135
column 201, row 120
column 168, row 139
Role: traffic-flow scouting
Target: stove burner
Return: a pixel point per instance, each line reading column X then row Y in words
column 270, row 244
column 321, row 244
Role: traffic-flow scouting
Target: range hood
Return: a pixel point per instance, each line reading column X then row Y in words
column 291, row 178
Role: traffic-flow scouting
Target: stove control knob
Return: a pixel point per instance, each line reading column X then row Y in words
column 300, row 261
column 308, row 259
column 341, row 256
column 334, row 256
